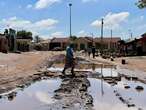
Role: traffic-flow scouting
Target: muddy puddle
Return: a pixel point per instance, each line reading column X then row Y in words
column 35, row 97
column 93, row 88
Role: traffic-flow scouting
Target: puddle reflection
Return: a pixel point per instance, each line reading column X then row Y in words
column 101, row 89
column 35, row 97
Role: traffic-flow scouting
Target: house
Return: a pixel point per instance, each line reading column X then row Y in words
column 141, row 45
column 43, row 45
column 107, row 43
column 80, row 43
column 3, row 43
column 133, row 46
column 83, row 43
column 58, row 42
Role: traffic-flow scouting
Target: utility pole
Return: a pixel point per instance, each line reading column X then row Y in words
column 92, row 38
column 70, row 5
column 111, row 39
column 131, row 35
column 101, row 36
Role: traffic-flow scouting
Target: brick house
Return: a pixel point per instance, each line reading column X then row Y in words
column 107, row 43
column 82, row 43
column 58, row 42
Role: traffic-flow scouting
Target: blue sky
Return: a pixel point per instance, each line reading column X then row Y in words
column 50, row 18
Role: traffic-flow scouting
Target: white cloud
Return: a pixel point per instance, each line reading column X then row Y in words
column 85, row 1
column 13, row 22
column 29, row 6
column 112, row 20
column 44, row 97
column 57, row 34
column 35, row 27
column 82, row 33
column 46, row 23
column 40, row 4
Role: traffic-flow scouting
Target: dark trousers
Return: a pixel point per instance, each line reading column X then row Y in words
column 93, row 55
column 69, row 63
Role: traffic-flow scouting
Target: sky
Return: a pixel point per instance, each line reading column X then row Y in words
column 50, row 18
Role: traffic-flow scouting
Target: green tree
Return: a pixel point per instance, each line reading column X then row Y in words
column 24, row 35
column 141, row 4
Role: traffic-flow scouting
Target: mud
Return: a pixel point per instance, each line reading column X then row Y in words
column 94, row 87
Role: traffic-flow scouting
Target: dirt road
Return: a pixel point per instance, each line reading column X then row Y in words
column 15, row 68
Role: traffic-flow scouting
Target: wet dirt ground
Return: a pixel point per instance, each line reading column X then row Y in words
column 95, row 87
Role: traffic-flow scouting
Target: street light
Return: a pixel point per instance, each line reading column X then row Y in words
column 111, row 39
column 70, row 5
column 102, row 22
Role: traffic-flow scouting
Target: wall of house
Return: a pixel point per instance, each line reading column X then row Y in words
column 3, row 45
column 82, row 44
column 144, row 47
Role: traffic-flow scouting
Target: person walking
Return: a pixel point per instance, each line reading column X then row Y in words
column 89, row 51
column 93, row 51
column 69, row 60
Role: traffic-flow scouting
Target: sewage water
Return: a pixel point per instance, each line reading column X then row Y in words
column 93, row 92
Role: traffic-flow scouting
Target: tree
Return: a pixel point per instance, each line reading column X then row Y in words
column 24, row 35
column 73, row 38
column 144, row 35
column 141, row 4
column 37, row 39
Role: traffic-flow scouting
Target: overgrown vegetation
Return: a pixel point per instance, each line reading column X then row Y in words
column 24, row 35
